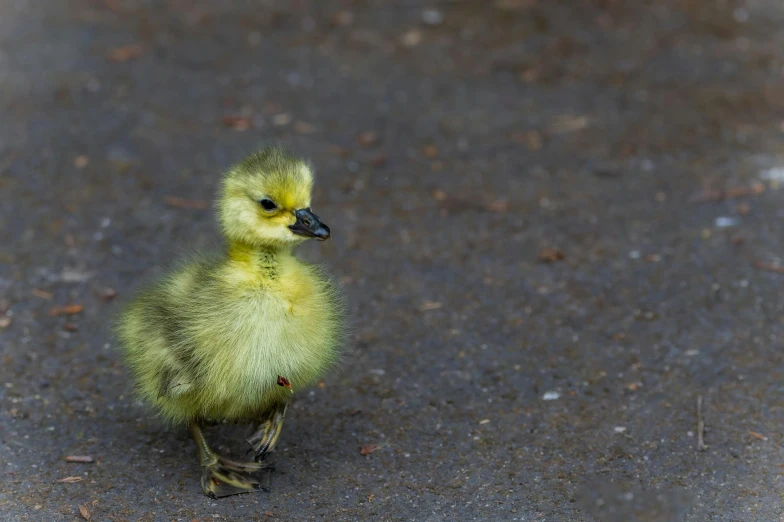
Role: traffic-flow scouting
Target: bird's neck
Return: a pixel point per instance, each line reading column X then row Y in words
column 264, row 261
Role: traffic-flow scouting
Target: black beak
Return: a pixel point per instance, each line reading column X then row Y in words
column 309, row 225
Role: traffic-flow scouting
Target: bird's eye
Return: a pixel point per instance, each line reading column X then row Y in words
column 268, row 205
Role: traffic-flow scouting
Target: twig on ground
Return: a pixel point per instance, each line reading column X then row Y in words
column 770, row 267
column 700, row 426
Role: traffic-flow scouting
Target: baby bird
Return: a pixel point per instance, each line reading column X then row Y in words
column 228, row 339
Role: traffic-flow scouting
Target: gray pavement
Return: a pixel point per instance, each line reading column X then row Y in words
column 557, row 224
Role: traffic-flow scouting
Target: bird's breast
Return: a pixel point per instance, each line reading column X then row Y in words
column 279, row 333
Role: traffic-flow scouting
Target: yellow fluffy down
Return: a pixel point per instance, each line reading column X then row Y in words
column 209, row 339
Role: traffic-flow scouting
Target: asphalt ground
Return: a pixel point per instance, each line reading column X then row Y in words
column 558, row 226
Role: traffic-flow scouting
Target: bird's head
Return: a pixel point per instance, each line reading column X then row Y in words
column 265, row 201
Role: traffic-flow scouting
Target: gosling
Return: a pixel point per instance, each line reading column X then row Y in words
column 230, row 338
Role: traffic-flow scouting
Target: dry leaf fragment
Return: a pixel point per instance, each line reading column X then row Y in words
column 108, row 293
column 69, row 480
column 125, row 53
column 42, row 294
column 755, row 189
column 367, row 449
column 499, row 206
column 532, row 140
column 770, row 267
column 367, row 139
column 79, row 458
column 411, row 38
column 513, row 5
column 711, row 195
column 439, row 195
column 551, row 255
column 173, row 201
column 281, row 119
column 756, row 435
column 343, row 18
column 282, row 381
column 340, row 152
column 530, row 74
column 81, row 162
column 303, row 127
column 238, row 123
column 72, row 309
column 85, row 512
column 70, row 327
column 379, row 160
column 567, row 123
column 114, row 5
column 430, row 151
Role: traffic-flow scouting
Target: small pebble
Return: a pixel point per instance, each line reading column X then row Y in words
column 308, row 24
column 740, row 15
column 551, row 396
column 725, row 222
column 773, row 174
column 254, row 38
column 432, row 16
column 93, row 85
column 344, row 18
column 281, row 119
column 411, row 38
column 367, row 139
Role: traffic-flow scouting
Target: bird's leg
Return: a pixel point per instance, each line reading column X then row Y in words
column 221, row 477
column 266, row 436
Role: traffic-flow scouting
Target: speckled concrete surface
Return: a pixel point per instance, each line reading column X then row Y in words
column 557, row 223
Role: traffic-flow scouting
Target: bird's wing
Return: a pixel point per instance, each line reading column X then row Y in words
column 172, row 383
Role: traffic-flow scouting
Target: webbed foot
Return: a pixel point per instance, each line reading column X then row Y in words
column 244, row 467
column 218, row 481
column 266, row 436
column 222, row 477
